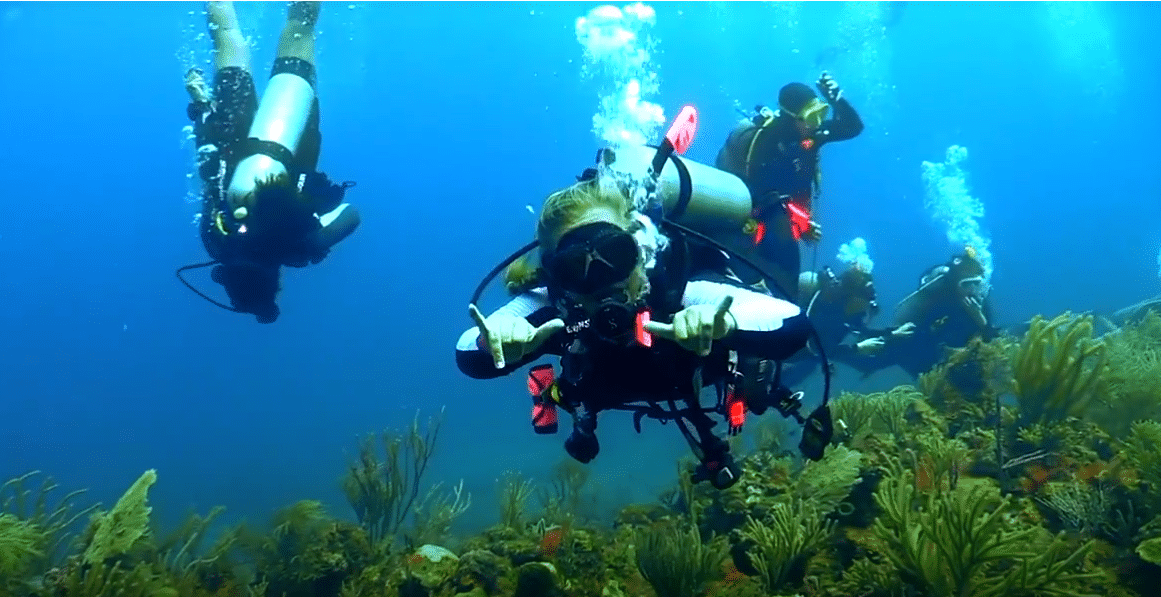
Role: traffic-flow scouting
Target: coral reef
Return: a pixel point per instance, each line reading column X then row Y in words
column 965, row 541
column 1023, row 467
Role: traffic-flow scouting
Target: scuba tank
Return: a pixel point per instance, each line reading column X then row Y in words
column 692, row 194
column 281, row 119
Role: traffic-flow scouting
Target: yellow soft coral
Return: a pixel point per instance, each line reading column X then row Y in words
column 116, row 532
column 1059, row 368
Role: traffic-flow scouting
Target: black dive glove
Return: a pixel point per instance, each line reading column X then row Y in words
column 829, row 88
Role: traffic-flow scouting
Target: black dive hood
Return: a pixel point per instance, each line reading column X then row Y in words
column 817, row 427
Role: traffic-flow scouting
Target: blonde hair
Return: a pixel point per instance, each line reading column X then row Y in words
column 560, row 213
column 564, row 208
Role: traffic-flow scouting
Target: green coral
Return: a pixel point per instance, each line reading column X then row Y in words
column 674, row 559
column 1150, row 551
column 117, row 531
column 1071, row 439
column 53, row 518
column 1142, row 449
column 965, row 386
column 514, row 490
column 1081, row 507
column 106, row 578
column 180, row 552
column 964, row 542
column 20, row 543
column 309, row 553
column 883, row 412
column 784, row 543
column 1134, row 374
column 382, row 488
column 941, row 458
column 565, row 497
column 1059, row 368
column 827, row 483
column 436, row 512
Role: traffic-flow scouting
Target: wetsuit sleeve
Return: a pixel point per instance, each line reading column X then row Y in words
column 848, row 353
column 476, row 362
column 846, row 123
column 767, row 327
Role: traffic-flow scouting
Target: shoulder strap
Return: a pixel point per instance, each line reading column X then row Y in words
column 255, row 146
column 671, row 274
column 762, row 120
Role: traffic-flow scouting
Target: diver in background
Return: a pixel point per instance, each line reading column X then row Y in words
column 840, row 308
column 948, row 310
column 1137, row 312
column 776, row 153
column 264, row 203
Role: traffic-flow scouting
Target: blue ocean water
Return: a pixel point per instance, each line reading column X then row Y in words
column 453, row 118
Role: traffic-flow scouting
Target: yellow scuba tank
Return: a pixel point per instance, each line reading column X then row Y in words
column 281, row 118
column 693, row 194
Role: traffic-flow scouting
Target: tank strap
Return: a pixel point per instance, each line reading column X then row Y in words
column 255, row 146
column 294, row 66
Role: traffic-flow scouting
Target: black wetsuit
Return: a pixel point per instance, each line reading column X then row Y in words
column 782, row 167
column 840, row 332
column 942, row 321
column 598, row 375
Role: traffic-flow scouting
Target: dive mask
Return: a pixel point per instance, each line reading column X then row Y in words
column 592, row 258
column 813, row 113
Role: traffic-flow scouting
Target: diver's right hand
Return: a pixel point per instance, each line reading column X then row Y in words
column 829, row 88
column 511, row 337
column 813, row 232
column 903, row 331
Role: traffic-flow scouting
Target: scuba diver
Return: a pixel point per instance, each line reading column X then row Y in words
column 638, row 309
column 776, row 153
column 840, row 308
column 264, row 203
column 601, row 265
column 948, row 310
column 1136, row 312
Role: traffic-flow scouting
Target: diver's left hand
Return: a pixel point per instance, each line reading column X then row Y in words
column 695, row 328
column 829, row 88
